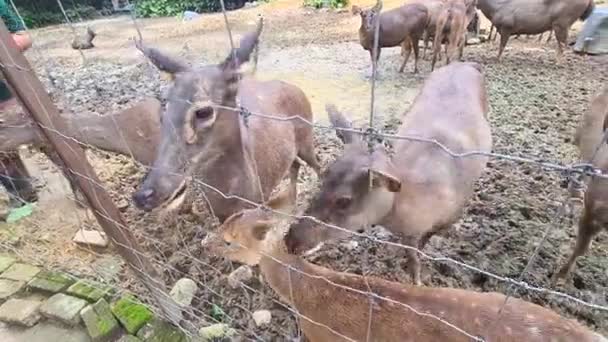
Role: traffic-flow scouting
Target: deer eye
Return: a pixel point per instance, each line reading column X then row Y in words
column 343, row 202
column 204, row 113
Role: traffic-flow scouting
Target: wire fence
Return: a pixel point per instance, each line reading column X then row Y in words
column 195, row 317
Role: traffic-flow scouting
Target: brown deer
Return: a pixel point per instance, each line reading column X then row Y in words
column 133, row 132
column 451, row 27
column 205, row 137
column 535, row 17
column 335, row 306
column 422, row 189
column 84, row 42
column 434, row 8
column 402, row 26
column 594, row 219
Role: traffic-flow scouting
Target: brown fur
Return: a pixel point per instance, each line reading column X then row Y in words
column 534, row 17
column 420, row 190
column 594, row 219
column 402, row 26
column 203, row 138
column 451, row 27
column 327, row 299
column 85, row 41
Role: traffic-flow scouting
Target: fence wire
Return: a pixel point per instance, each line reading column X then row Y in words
column 582, row 169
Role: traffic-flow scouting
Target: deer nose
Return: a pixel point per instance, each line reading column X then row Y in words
column 143, row 198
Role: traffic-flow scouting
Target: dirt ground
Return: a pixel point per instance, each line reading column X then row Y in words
column 535, row 106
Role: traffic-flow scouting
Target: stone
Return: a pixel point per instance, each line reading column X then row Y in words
column 131, row 313
column 183, row 291
column 6, row 262
column 19, row 311
column 129, row 338
column 100, row 322
column 4, row 212
column 47, row 332
column 473, row 41
column 91, row 238
column 9, row 288
column 350, row 245
column 240, row 275
column 89, row 290
column 216, row 331
column 262, row 317
column 63, row 308
column 20, row 272
column 161, row 331
column 52, row 282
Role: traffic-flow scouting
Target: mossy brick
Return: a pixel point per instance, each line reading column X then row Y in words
column 63, row 308
column 9, row 287
column 19, row 311
column 129, row 338
column 100, row 322
column 5, row 262
column 131, row 313
column 52, row 282
column 161, row 331
column 89, row 290
column 20, row 272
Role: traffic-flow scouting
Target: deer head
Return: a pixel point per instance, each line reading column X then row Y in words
column 196, row 123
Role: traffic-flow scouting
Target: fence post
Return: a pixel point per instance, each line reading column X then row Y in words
column 36, row 101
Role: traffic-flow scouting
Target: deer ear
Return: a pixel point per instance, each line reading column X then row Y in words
column 162, row 61
column 260, row 230
column 377, row 7
column 248, row 43
column 384, row 179
column 355, row 9
column 338, row 120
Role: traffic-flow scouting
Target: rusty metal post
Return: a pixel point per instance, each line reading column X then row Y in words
column 36, row 101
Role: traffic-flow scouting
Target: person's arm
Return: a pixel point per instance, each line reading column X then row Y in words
column 23, row 40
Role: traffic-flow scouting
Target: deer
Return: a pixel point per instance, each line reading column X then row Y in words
column 205, row 137
column 589, row 140
column 84, row 42
column 335, row 306
column 451, row 27
column 421, row 189
column 535, row 17
column 133, row 132
column 402, row 26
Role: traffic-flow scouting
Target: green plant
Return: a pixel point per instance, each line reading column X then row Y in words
column 326, row 3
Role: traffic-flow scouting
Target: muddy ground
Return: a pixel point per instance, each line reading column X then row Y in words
column 535, row 106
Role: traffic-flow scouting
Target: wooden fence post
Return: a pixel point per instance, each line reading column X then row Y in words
column 36, row 101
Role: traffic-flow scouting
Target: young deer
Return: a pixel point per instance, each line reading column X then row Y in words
column 594, row 219
column 335, row 306
column 422, row 189
column 205, row 138
column 402, row 26
column 451, row 27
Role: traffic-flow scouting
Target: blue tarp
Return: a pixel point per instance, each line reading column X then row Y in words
column 593, row 38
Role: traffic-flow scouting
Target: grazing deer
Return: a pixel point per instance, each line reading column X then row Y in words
column 402, row 26
column 335, row 306
column 422, row 189
column 594, row 219
column 204, row 135
column 534, row 17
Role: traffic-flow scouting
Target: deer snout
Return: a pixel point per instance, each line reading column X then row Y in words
column 143, row 199
column 299, row 237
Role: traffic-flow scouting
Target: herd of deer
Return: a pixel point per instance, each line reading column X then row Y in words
column 205, row 133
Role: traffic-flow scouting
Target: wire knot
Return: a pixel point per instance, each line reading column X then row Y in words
column 372, row 137
column 245, row 114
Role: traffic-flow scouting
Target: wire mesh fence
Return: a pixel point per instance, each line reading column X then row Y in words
column 174, row 246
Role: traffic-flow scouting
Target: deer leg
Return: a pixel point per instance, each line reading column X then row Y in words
column 416, row 55
column 427, row 37
column 306, row 152
column 294, row 170
column 550, row 36
column 561, row 36
column 504, row 39
column 540, row 37
column 490, row 35
column 413, row 262
column 407, row 47
column 586, row 232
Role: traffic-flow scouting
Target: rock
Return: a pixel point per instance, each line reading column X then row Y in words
column 183, row 291
column 19, row 311
column 129, row 338
column 91, row 238
column 216, row 331
column 9, row 288
column 47, row 332
column 99, row 321
column 261, row 317
column 473, row 41
column 350, row 245
column 131, row 313
column 161, row 331
column 89, row 290
column 189, row 15
column 6, row 262
column 20, row 272
column 108, row 267
column 380, row 232
column 52, row 282
column 63, row 308
column 122, row 204
column 241, row 275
